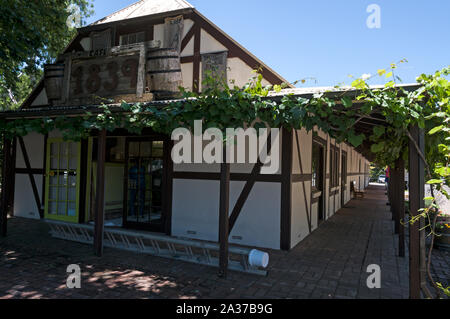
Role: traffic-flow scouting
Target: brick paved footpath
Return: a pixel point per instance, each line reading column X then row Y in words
column 330, row 263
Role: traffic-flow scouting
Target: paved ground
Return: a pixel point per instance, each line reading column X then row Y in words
column 331, row 263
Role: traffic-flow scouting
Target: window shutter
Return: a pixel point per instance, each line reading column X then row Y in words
column 173, row 32
column 101, row 40
column 215, row 66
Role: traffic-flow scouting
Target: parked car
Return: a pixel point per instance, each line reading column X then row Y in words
column 382, row 179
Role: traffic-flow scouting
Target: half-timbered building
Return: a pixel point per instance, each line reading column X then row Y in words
column 142, row 54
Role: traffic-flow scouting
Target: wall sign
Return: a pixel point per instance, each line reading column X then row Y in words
column 104, row 76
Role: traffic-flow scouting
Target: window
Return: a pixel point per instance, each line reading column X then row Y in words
column 101, row 40
column 132, row 38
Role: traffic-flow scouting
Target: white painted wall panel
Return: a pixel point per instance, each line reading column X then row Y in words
column 34, row 145
column 259, row 222
column 188, row 23
column 235, row 168
column 305, row 145
column 186, row 73
column 189, row 49
column 158, row 33
column 24, row 202
column 195, row 212
column 240, row 72
column 195, row 209
column 299, row 226
column 208, row 44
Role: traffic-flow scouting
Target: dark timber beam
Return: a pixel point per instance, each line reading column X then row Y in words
column 197, row 59
column 12, row 177
column 416, row 202
column 6, row 167
column 223, row 215
column 99, row 217
column 168, row 187
column 286, row 189
column 308, row 214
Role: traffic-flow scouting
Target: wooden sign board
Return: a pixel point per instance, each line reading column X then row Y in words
column 106, row 75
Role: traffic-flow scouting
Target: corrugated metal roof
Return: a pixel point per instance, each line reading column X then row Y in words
column 331, row 89
column 144, row 8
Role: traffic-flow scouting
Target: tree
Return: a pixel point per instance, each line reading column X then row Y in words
column 32, row 33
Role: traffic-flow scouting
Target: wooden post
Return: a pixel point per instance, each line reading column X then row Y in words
column 416, row 195
column 12, row 177
column 389, row 190
column 100, row 198
column 401, row 207
column 395, row 197
column 6, row 167
column 286, row 189
column 223, row 215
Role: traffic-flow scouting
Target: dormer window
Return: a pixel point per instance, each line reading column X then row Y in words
column 132, row 38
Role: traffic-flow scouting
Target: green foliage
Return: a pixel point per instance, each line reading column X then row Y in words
column 12, row 99
column 31, row 33
column 223, row 107
column 446, row 290
column 376, row 171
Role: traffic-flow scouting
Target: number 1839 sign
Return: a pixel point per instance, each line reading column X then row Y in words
column 104, row 76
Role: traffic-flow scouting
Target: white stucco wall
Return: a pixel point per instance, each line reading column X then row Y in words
column 299, row 219
column 24, row 201
column 195, row 212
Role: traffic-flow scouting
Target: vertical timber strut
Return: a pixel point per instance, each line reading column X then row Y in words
column 5, row 187
column 100, row 198
column 401, row 206
column 223, row 215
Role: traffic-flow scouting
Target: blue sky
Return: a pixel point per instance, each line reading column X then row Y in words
column 328, row 39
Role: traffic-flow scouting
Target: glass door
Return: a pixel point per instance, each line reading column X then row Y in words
column 62, row 180
column 144, row 167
